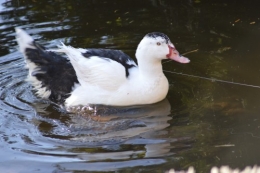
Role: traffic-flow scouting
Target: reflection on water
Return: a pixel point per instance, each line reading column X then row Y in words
column 201, row 123
column 121, row 123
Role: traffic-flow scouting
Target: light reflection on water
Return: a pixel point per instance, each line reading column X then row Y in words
column 182, row 130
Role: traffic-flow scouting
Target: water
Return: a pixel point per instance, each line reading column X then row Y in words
column 202, row 123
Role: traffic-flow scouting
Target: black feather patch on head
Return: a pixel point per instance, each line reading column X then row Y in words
column 158, row 34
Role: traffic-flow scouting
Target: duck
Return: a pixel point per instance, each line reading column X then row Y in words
column 75, row 76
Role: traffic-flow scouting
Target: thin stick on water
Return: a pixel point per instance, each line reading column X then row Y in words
column 206, row 78
column 196, row 50
column 213, row 79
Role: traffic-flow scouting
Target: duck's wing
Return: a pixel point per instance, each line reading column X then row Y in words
column 105, row 68
column 112, row 55
column 51, row 75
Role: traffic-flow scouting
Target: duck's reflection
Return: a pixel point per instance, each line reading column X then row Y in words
column 126, row 136
column 120, row 123
column 120, row 137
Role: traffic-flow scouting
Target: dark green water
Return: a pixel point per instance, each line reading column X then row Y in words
column 202, row 123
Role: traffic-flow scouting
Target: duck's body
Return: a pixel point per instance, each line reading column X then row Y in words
column 99, row 76
column 105, row 81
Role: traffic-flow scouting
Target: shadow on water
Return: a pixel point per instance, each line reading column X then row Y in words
column 201, row 123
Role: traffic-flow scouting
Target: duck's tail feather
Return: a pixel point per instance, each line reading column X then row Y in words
column 23, row 39
column 51, row 75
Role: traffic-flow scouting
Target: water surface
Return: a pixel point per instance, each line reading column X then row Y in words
column 201, row 123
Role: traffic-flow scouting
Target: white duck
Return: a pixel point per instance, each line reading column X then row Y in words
column 99, row 76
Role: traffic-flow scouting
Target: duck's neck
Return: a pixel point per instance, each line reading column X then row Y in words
column 152, row 68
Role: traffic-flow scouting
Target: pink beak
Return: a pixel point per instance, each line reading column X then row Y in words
column 174, row 55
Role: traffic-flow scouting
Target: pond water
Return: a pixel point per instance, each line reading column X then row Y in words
column 202, row 123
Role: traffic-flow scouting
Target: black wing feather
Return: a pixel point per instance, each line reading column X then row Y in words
column 54, row 71
column 110, row 54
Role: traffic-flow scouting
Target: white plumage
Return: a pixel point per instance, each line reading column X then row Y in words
column 109, row 77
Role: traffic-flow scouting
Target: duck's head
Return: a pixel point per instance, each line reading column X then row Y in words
column 158, row 46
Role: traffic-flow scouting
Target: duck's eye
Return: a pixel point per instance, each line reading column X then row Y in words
column 158, row 43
